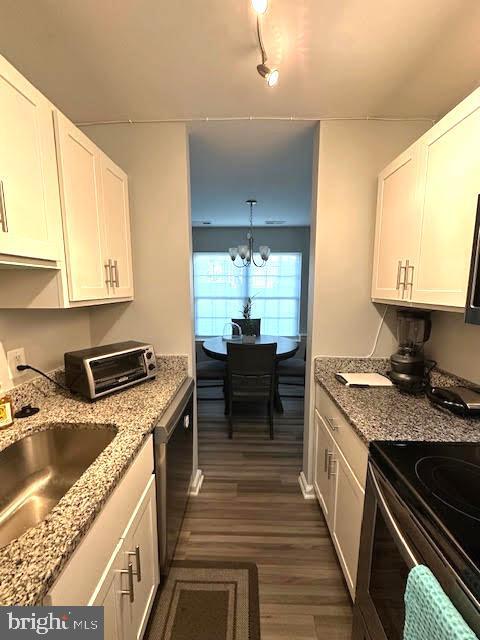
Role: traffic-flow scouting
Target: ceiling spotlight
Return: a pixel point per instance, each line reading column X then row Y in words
column 270, row 75
column 260, row 6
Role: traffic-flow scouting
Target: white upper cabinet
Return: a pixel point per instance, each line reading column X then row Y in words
column 64, row 211
column 94, row 194
column 427, row 201
column 450, row 184
column 30, row 223
column 396, row 226
column 84, row 232
column 117, row 227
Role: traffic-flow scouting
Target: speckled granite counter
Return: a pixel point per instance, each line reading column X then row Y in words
column 30, row 564
column 387, row 414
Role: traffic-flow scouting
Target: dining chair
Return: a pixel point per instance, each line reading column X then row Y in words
column 212, row 371
column 251, row 377
column 291, row 373
column 249, row 325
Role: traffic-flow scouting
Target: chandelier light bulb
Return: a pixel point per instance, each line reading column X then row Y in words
column 260, row 6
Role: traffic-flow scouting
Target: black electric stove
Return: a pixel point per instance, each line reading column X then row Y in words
column 440, row 483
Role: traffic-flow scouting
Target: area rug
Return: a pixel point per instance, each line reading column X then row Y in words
column 207, row 601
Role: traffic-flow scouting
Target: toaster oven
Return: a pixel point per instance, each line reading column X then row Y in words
column 96, row 372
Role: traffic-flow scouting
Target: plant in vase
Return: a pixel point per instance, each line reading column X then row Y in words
column 248, row 325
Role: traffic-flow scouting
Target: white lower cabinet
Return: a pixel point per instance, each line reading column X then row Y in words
column 324, row 449
column 340, row 465
column 127, row 588
column 347, row 518
column 116, row 564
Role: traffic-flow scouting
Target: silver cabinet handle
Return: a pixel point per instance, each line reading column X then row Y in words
column 129, row 592
column 3, row 209
column 332, row 461
column 410, row 280
column 138, row 563
column 400, row 280
column 108, row 274
column 116, row 281
column 186, row 422
column 325, row 461
column 399, row 275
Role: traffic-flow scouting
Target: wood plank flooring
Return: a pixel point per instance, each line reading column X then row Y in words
column 251, row 508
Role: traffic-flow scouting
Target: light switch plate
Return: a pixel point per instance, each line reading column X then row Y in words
column 14, row 358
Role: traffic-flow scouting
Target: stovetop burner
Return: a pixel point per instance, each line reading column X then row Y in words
column 455, row 482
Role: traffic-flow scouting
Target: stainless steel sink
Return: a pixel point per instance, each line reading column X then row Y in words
column 36, row 471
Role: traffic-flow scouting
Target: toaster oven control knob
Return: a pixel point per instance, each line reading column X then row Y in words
column 149, row 355
column 151, row 366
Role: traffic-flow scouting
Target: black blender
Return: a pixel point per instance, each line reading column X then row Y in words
column 409, row 368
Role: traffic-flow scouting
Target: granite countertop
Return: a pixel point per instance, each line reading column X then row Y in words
column 386, row 413
column 30, row 564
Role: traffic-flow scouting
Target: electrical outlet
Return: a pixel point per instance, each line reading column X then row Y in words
column 16, row 357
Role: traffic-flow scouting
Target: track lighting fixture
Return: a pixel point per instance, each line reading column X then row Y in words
column 260, row 6
column 270, row 75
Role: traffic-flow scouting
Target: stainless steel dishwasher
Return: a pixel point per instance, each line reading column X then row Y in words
column 173, row 443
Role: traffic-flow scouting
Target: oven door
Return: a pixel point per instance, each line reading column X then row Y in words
column 386, row 557
column 392, row 543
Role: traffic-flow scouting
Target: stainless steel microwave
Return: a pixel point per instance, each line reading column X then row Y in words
column 96, row 372
column 472, row 307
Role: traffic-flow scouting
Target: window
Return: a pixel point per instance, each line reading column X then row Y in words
column 221, row 288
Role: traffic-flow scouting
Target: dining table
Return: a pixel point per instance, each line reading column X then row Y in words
column 216, row 348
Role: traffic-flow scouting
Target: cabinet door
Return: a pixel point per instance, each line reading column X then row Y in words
column 117, row 227
column 140, row 547
column 80, row 187
column 397, row 225
column 323, row 482
column 347, row 519
column 450, row 182
column 108, row 595
column 30, row 223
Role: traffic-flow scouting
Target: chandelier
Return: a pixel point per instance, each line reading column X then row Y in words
column 245, row 251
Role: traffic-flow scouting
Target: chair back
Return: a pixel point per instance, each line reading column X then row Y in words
column 251, row 369
column 248, row 327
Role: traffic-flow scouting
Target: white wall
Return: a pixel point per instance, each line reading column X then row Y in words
column 342, row 319
column 156, row 159
column 277, row 238
column 455, row 345
column 44, row 334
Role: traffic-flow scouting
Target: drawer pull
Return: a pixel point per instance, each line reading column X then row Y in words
column 138, row 563
column 129, row 592
column 332, row 424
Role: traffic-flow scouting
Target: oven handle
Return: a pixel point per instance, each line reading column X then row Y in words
column 399, row 539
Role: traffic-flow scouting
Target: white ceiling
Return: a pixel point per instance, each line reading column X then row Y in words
column 270, row 161
column 154, row 59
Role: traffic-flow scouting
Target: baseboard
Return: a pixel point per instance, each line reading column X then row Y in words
column 307, row 489
column 197, row 483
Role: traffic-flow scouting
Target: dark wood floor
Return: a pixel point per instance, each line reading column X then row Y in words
column 250, row 508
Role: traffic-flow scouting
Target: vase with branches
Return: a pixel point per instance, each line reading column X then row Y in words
column 249, row 326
